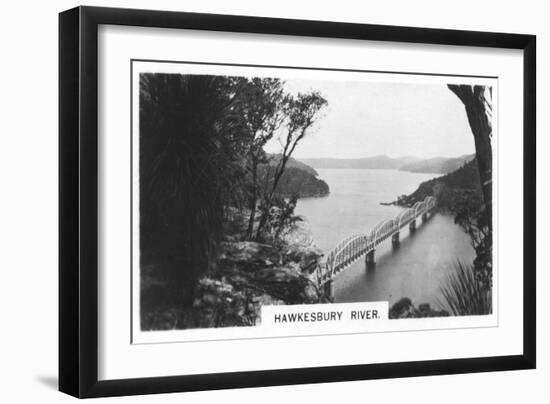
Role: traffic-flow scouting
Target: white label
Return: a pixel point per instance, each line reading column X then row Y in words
column 341, row 316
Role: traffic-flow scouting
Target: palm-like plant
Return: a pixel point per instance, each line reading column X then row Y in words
column 190, row 128
column 464, row 294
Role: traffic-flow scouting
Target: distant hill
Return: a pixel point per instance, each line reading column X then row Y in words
column 375, row 162
column 301, row 179
column 409, row 159
column 292, row 163
column 437, row 165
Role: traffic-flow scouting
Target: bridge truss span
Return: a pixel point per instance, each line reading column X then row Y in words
column 356, row 246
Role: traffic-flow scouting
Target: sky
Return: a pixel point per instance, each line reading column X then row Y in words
column 365, row 119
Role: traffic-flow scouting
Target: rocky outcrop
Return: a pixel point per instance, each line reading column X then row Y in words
column 247, row 276
column 251, row 274
column 248, row 255
column 265, row 270
column 251, row 256
column 287, row 284
column 307, row 257
column 221, row 303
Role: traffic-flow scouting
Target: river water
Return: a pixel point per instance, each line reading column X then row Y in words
column 421, row 263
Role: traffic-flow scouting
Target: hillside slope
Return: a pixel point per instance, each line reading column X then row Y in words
column 437, row 165
column 298, row 179
column 463, row 183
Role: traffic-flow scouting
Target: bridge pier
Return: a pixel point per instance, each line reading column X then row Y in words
column 395, row 240
column 369, row 260
column 329, row 288
column 412, row 226
column 424, row 217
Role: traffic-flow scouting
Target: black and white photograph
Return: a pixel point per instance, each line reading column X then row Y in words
column 295, row 197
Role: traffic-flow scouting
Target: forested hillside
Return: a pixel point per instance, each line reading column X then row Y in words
column 298, row 180
column 459, row 184
column 300, row 183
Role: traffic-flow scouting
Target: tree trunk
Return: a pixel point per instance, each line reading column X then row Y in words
column 285, row 156
column 477, row 108
column 253, row 201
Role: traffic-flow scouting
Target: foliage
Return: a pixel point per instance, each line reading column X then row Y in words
column 224, row 305
column 464, row 294
column 280, row 218
column 201, row 147
column 218, row 304
column 263, row 114
column 190, row 141
column 470, row 216
column 464, row 180
column 300, row 113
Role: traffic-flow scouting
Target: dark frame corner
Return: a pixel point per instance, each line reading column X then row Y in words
column 78, row 179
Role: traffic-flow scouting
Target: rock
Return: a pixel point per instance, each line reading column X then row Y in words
column 248, row 255
column 286, row 284
column 277, row 275
column 220, row 304
column 424, row 307
column 425, row 310
column 249, row 275
column 404, row 308
column 230, row 302
column 307, row 257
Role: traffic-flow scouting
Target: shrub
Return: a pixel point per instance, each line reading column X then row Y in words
column 464, row 294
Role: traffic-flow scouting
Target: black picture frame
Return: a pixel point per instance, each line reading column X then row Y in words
column 78, row 200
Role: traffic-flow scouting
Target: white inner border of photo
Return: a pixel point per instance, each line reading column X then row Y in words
column 242, row 349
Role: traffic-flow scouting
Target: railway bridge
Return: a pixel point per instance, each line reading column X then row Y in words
column 356, row 246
